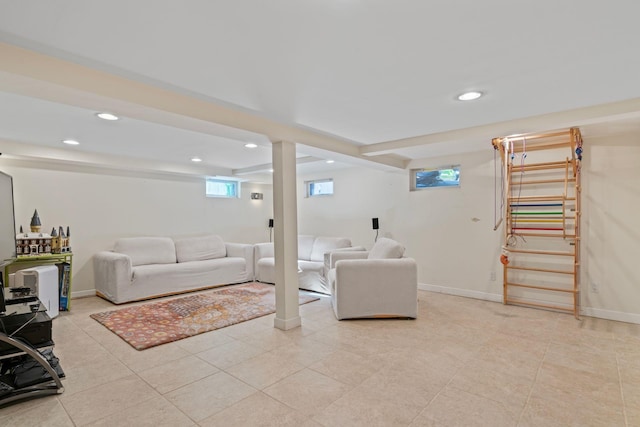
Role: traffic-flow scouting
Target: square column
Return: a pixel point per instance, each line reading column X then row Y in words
column 285, row 209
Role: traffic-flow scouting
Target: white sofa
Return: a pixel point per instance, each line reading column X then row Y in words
column 376, row 284
column 311, row 265
column 146, row 267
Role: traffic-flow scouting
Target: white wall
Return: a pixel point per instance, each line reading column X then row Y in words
column 100, row 205
column 449, row 231
column 611, row 201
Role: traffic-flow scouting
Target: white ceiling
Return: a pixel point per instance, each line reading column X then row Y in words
column 357, row 73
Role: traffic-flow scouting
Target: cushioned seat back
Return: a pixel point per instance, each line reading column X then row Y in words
column 327, row 244
column 147, row 250
column 305, row 245
column 200, row 248
column 386, row 248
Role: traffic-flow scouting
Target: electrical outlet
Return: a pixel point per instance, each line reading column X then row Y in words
column 492, row 276
column 594, row 287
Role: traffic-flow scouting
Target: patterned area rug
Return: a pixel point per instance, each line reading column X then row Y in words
column 148, row 325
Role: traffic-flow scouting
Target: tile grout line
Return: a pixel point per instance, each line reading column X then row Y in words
column 624, row 403
column 535, row 379
column 447, row 384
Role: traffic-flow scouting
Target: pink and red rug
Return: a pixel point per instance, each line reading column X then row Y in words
column 152, row 324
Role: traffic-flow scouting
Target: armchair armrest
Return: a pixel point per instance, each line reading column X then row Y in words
column 242, row 250
column 264, row 250
column 111, row 270
column 376, row 287
column 330, row 258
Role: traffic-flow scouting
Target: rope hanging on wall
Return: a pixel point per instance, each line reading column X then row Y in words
column 497, row 221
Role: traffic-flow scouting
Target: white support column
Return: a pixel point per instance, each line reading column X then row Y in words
column 285, row 210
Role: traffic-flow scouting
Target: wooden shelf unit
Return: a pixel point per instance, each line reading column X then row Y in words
column 541, row 182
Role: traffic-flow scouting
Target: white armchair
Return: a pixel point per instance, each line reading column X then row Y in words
column 379, row 283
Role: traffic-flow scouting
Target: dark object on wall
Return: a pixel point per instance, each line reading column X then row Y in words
column 271, row 223
column 270, row 229
column 256, row 196
column 376, row 225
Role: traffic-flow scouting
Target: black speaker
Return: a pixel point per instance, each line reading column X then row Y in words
column 374, row 222
column 271, row 223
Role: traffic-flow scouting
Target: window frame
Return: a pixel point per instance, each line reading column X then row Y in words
column 414, row 177
column 308, row 184
column 235, row 183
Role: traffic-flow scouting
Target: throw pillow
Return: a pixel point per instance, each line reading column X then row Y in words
column 147, row 250
column 327, row 244
column 385, row 249
column 200, row 248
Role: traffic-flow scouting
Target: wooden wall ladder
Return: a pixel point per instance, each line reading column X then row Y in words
column 541, row 196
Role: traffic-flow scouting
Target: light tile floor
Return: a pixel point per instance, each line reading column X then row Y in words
column 463, row 362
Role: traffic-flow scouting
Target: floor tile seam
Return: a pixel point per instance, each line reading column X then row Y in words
column 624, row 403
column 184, row 385
column 230, row 366
column 66, row 411
column 457, row 372
column 85, row 332
column 107, row 349
column 533, row 383
column 582, row 347
column 504, row 406
column 19, row 411
column 163, row 394
column 238, row 402
column 274, row 398
column 583, row 373
column 351, row 386
column 75, row 423
column 266, row 349
column 325, row 406
column 268, row 385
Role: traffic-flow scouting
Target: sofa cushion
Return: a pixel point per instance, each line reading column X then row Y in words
column 200, row 248
column 386, row 248
column 305, row 245
column 147, row 250
column 327, row 244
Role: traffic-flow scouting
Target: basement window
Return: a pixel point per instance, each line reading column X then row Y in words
column 319, row 187
column 223, row 188
column 446, row 176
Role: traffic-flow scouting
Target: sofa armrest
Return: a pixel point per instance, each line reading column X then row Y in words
column 111, row 271
column 263, row 250
column 330, row 258
column 243, row 250
column 367, row 282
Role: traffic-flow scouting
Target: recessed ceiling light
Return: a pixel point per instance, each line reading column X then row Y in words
column 330, row 161
column 196, row 159
column 107, row 116
column 251, row 145
column 70, row 141
column 469, row 96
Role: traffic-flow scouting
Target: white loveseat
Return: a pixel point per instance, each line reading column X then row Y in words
column 376, row 284
column 146, row 267
column 311, row 265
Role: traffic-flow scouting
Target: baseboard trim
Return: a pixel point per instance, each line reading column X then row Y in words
column 611, row 315
column 286, row 324
column 486, row 296
column 584, row 311
column 83, row 294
